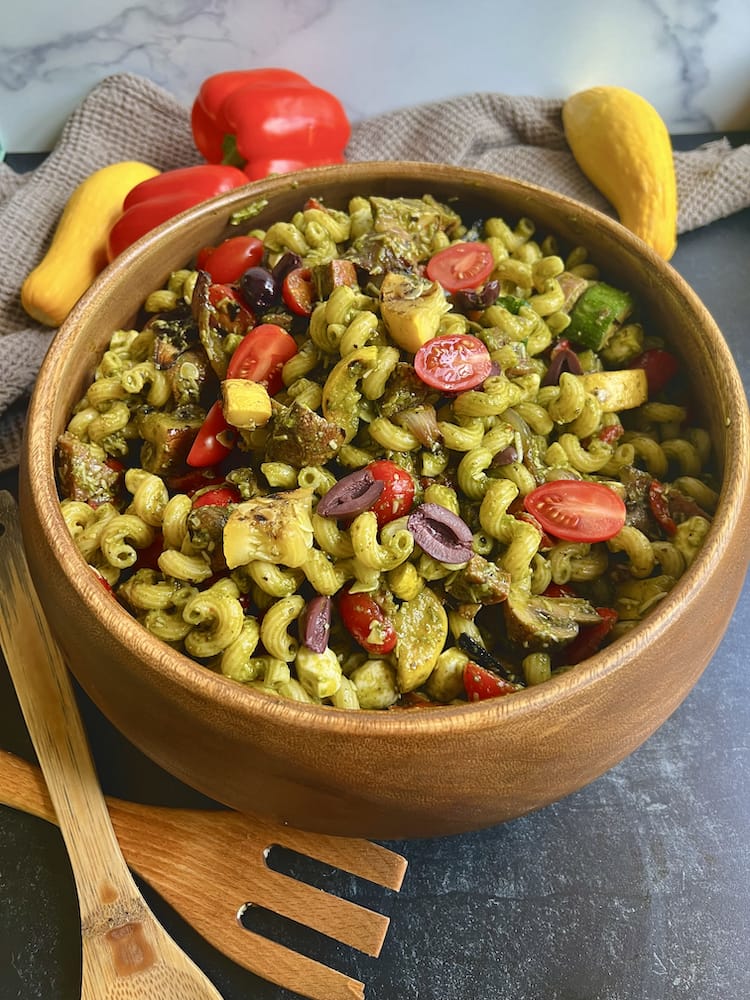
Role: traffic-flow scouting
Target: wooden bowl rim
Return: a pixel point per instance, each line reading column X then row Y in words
column 38, row 457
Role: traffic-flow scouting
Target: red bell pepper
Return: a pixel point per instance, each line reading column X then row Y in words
column 148, row 205
column 268, row 121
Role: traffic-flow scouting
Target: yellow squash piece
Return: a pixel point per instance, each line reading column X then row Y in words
column 618, row 390
column 622, row 145
column 78, row 251
column 245, row 403
column 412, row 308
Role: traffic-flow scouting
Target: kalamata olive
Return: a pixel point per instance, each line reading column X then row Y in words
column 286, row 263
column 441, row 533
column 351, row 495
column 316, row 623
column 259, row 289
column 470, row 299
column 507, row 456
column 564, row 360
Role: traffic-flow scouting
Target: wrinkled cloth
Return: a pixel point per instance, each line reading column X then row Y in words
column 127, row 117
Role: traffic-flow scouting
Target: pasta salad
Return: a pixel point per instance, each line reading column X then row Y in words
column 388, row 457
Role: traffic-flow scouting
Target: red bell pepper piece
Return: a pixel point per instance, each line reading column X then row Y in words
column 268, row 121
column 590, row 637
column 148, row 205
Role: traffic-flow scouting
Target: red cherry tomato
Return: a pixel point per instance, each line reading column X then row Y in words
column 229, row 260
column 196, row 479
column 297, row 291
column 214, row 441
column 660, row 367
column 366, row 622
column 218, row 498
column 261, row 354
column 230, row 312
column 576, row 510
column 397, row 497
column 611, row 433
column 590, row 637
column 453, row 363
column 462, row 265
column 481, row 683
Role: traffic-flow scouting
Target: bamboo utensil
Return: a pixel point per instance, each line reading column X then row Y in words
column 208, row 864
column 126, row 953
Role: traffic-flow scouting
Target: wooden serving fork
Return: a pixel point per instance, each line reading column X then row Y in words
column 208, row 865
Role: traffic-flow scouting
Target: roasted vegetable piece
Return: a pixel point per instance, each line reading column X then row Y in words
column 245, row 404
column 275, row 528
column 167, row 438
column 205, row 526
column 479, row 582
column 412, row 308
column 422, row 627
column 300, row 436
column 597, row 313
column 537, row 622
column 86, row 473
column 618, row 390
column 330, row 275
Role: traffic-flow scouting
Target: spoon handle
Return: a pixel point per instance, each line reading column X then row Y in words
column 46, row 697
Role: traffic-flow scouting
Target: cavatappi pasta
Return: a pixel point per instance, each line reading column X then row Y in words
column 349, row 516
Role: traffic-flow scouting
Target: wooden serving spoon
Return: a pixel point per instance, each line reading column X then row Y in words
column 126, row 953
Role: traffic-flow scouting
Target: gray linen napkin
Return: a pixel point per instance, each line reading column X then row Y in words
column 127, row 117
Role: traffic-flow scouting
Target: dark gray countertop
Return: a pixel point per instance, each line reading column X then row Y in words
column 634, row 888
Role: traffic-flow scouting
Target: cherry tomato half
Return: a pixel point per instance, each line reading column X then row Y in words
column 660, row 367
column 220, row 497
column 577, row 511
column 397, row 497
column 214, row 440
column 366, row 622
column 461, row 265
column 229, row 260
column 261, row 354
column 453, row 363
column 481, row 683
column 230, row 312
column 297, row 291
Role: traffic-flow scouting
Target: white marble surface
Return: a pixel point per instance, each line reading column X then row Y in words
column 690, row 58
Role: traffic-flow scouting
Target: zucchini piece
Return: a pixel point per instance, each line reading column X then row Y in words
column 597, row 313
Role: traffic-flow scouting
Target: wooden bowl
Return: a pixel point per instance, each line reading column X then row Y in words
column 387, row 774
